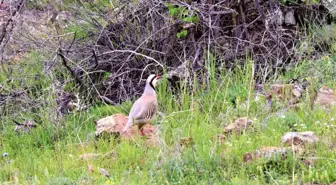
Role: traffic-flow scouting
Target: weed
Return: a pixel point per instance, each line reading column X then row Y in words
column 50, row 154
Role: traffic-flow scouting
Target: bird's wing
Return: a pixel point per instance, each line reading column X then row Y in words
column 133, row 112
column 135, row 109
column 148, row 108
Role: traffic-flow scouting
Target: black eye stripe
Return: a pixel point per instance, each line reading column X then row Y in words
column 151, row 82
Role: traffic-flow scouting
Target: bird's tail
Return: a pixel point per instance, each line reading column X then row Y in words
column 128, row 124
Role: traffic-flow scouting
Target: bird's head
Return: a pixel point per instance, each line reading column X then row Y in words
column 152, row 80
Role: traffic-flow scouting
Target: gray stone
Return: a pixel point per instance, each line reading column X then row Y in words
column 299, row 138
column 331, row 6
column 278, row 17
column 289, row 18
column 275, row 18
column 180, row 72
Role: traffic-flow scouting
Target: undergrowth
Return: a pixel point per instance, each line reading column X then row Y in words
column 50, row 153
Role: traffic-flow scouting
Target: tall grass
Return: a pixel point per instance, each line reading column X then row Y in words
column 50, row 153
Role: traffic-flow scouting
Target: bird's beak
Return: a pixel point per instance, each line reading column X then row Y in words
column 157, row 80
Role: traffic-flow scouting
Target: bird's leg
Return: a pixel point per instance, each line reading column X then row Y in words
column 141, row 129
column 141, row 132
column 128, row 124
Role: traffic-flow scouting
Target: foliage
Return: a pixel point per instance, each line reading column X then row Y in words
column 82, row 31
column 181, row 13
column 182, row 34
column 198, row 108
column 319, row 71
column 50, row 154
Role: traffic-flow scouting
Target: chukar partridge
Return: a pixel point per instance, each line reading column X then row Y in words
column 145, row 107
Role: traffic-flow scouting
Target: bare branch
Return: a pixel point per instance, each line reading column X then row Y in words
column 133, row 52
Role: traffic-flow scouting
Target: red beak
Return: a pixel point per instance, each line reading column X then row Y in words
column 158, row 77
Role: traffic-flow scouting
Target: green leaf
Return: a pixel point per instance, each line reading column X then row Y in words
column 172, row 11
column 106, row 75
column 182, row 12
column 69, row 86
column 182, row 33
column 191, row 19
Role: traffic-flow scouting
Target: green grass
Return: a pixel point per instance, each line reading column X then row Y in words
column 50, row 153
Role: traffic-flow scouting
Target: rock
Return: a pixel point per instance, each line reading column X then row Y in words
column 113, row 125
column 64, row 16
column 179, row 73
column 24, row 127
column 309, row 162
column 239, row 125
column 90, row 168
column 220, row 138
column 274, row 18
column 332, row 148
column 330, row 5
column 229, row 128
column 65, row 103
column 299, row 138
column 278, row 17
column 325, row 97
column 150, row 132
column 290, row 18
column 311, row 183
column 104, row 172
column 290, row 93
column 270, row 152
column 282, row 91
column 187, row 141
column 90, row 156
column 297, row 91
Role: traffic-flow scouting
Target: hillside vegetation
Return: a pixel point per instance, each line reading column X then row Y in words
column 88, row 60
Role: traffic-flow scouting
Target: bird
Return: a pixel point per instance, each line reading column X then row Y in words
column 145, row 107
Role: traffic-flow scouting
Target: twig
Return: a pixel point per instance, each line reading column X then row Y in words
column 9, row 22
column 108, row 100
column 95, row 59
column 133, row 52
column 65, row 63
